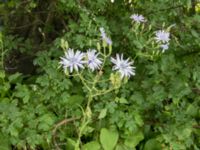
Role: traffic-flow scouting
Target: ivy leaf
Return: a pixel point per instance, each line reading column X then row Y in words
column 108, row 138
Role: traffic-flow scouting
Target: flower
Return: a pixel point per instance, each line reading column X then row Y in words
column 164, row 47
column 162, row 36
column 137, row 18
column 104, row 36
column 108, row 41
column 93, row 61
column 72, row 60
column 123, row 66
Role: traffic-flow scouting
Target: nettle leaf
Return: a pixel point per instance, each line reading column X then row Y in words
column 108, row 138
column 94, row 145
column 133, row 140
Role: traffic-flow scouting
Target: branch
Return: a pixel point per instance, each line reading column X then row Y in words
column 63, row 122
column 196, row 126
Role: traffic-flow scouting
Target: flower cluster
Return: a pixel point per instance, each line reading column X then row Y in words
column 163, row 38
column 76, row 60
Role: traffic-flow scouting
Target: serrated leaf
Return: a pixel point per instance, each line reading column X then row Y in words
column 108, row 138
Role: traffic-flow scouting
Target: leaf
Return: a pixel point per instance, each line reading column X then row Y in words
column 4, row 142
column 108, row 138
column 94, row 145
column 103, row 113
column 2, row 74
column 22, row 92
column 45, row 122
column 75, row 100
column 122, row 147
column 152, row 144
column 192, row 110
column 70, row 144
column 121, row 100
column 138, row 119
column 133, row 140
column 15, row 78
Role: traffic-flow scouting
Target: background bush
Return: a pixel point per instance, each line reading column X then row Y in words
column 157, row 109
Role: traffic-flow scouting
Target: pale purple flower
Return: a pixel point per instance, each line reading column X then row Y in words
column 162, row 36
column 164, row 47
column 138, row 18
column 105, row 37
column 123, row 66
column 103, row 34
column 93, row 62
column 108, row 41
column 72, row 60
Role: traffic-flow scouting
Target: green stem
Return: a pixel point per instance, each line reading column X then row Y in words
column 2, row 53
column 86, row 120
column 102, row 92
column 84, row 82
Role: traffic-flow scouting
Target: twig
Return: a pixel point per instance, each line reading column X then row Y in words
column 196, row 126
column 63, row 122
column 196, row 90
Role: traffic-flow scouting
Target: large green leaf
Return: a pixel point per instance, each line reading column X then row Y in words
column 108, row 138
column 152, row 144
column 94, row 145
column 133, row 140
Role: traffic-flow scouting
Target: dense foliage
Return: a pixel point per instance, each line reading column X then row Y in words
column 43, row 108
